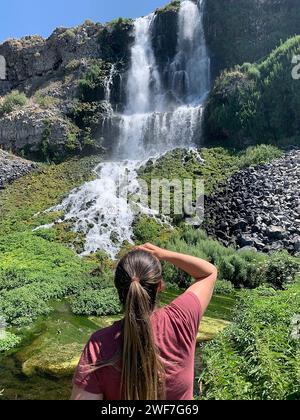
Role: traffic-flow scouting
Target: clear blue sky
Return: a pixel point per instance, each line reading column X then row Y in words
column 31, row 17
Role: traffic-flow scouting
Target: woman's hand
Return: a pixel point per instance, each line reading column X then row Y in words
column 159, row 253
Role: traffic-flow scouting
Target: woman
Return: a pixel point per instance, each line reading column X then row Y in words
column 149, row 355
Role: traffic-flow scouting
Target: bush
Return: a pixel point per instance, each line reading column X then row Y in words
column 259, row 154
column 224, row 287
column 13, row 100
column 246, row 269
column 12, row 278
column 92, row 86
column 148, row 229
column 45, row 101
column 256, row 358
column 103, row 302
column 21, row 307
column 8, row 342
column 281, row 269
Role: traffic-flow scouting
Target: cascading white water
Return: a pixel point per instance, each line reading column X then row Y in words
column 148, row 127
column 109, row 83
column 190, row 70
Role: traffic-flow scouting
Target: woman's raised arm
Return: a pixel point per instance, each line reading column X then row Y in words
column 204, row 273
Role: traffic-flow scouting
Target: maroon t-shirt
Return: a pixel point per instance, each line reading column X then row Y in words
column 175, row 329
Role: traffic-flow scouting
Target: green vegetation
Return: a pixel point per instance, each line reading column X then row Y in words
column 68, row 33
column 45, row 101
column 46, row 270
column 245, row 269
column 173, row 6
column 257, row 357
column 257, row 155
column 12, row 101
column 22, row 203
column 119, row 22
column 99, row 303
column 115, row 40
column 8, row 341
column 248, row 30
column 257, row 103
column 91, row 87
column 219, row 164
column 224, row 287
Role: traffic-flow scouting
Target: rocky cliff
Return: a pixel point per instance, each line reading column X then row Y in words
column 55, row 74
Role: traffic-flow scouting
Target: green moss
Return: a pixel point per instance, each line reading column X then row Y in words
column 219, row 164
column 22, row 202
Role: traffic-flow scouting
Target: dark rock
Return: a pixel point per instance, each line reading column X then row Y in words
column 259, row 213
column 276, row 232
column 13, row 167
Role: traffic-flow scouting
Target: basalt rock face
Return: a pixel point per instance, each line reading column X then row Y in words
column 34, row 57
column 12, row 167
column 165, row 37
column 35, row 131
column 259, row 207
column 241, row 31
column 51, row 71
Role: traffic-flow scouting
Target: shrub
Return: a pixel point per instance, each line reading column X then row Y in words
column 103, row 302
column 45, row 101
column 8, row 342
column 281, row 269
column 13, row 100
column 148, row 229
column 12, row 278
column 246, row 269
column 256, row 358
column 259, row 154
column 92, row 86
column 224, row 287
column 68, row 33
column 21, row 307
column 173, row 6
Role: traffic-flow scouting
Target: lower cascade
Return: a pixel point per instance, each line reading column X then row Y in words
column 151, row 125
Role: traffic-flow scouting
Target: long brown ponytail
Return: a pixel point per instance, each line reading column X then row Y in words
column 137, row 278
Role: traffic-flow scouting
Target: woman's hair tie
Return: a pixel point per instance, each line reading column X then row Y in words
column 135, row 279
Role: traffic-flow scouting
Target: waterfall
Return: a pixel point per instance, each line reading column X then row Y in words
column 149, row 126
column 109, row 83
column 143, row 86
column 190, row 70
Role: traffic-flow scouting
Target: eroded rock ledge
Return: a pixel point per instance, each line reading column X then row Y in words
column 259, row 207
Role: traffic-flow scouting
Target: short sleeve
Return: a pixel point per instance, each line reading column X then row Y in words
column 189, row 312
column 87, row 375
